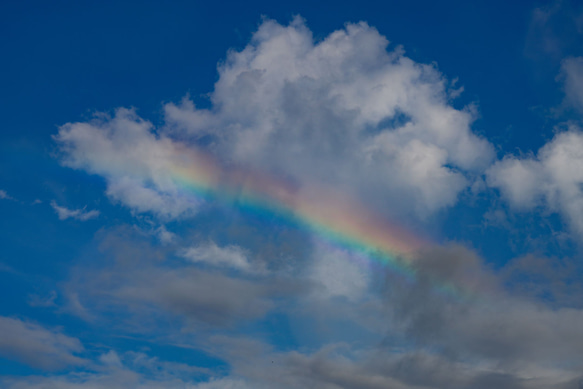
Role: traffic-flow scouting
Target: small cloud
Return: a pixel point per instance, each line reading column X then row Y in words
column 37, row 201
column 110, row 359
column 5, row 196
column 164, row 235
column 35, row 300
column 227, row 256
column 79, row 214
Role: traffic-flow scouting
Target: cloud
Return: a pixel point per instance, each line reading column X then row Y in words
column 111, row 358
column 556, row 281
column 37, row 346
column 134, row 162
column 35, row 300
column 113, row 370
column 553, row 178
column 343, row 111
column 341, row 108
column 342, row 365
column 349, row 114
column 457, row 324
column 340, row 273
column 78, row 214
column 140, row 284
column 228, row 256
column 483, row 320
column 572, row 76
column 5, row 196
column 555, row 29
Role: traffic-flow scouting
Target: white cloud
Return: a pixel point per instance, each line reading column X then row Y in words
column 230, row 256
column 37, row 346
column 552, row 179
column 134, row 162
column 343, row 111
column 78, row 214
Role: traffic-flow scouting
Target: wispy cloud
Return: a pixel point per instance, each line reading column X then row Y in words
column 78, row 214
column 37, row 346
column 5, row 196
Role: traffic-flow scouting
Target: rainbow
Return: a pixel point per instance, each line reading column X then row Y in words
column 331, row 216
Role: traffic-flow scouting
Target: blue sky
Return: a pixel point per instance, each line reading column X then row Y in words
column 458, row 123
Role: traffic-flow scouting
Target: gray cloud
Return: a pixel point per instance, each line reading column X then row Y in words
column 344, row 110
column 4, row 195
column 479, row 334
column 136, row 280
column 133, row 160
column 38, row 346
column 482, row 320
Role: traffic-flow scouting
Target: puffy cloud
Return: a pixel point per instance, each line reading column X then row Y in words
column 482, row 320
column 132, row 159
column 339, row 109
column 553, row 178
column 346, row 113
column 38, row 346
column 343, row 111
column 78, row 214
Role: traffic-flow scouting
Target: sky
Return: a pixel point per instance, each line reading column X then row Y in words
column 249, row 195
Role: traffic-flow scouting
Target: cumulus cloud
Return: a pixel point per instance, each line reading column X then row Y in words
column 553, row 178
column 133, row 160
column 38, row 346
column 483, row 321
column 78, row 214
column 455, row 325
column 341, row 365
column 137, row 283
column 113, row 370
column 349, row 114
column 343, row 111
column 338, row 109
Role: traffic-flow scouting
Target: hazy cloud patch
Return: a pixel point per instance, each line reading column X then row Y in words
column 77, row 214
